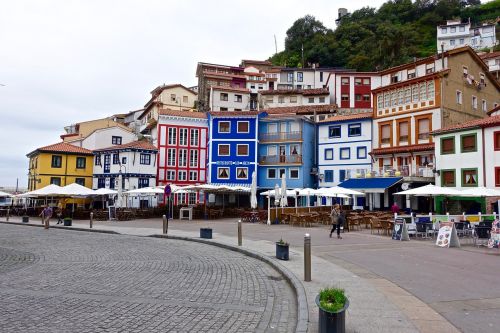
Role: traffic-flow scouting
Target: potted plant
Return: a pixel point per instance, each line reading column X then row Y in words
column 68, row 221
column 332, row 303
column 206, row 233
column 25, row 218
column 282, row 249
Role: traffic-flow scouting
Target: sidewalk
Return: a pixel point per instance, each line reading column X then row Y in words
column 376, row 304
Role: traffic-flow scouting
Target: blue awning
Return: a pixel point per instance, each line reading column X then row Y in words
column 371, row 185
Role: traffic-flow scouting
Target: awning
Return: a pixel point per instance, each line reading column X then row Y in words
column 371, row 185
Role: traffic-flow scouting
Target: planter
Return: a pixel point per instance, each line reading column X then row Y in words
column 282, row 251
column 68, row 222
column 206, row 233
column 332, row 321
column 26, row 219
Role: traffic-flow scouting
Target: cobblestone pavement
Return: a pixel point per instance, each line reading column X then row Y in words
column 70, row 281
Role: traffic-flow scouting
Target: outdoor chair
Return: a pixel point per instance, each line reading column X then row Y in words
column 354, row 222
column 460, row 226
column 481, row 234
column 421, row 229
column 375, row 224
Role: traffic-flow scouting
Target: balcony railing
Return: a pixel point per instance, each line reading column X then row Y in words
column 280, row 136
column 388, row 171
column 281, row 159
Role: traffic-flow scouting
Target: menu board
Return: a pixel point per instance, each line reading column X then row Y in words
column 398, row 229
column 447, row 235
column 494, row 241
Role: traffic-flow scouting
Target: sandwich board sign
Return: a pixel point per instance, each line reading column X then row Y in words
column 447, row 235
column 400, row 231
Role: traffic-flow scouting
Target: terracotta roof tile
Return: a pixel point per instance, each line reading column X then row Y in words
column 233, row 113
column 476, row 123
column 303, row 109
column 305, row 92
column 490, row 55
column 131, row 145
column 364, row 115
column 184, row 114
column 402, row 149
column 63, row 147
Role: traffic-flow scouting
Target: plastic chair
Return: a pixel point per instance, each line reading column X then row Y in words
column 421, row 230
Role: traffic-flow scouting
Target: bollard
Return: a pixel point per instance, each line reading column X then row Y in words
column 240, row 234
column 91, row 219
column 165, row 225
column 8, row 215
column 307, row 258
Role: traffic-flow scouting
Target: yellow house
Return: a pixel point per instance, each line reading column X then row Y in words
column 60, row 164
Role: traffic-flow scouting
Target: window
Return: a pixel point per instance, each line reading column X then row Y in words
column 407, row 95
column 116, row 140
column 143, row 182
column 320, row 76
column 414, row 93
column 294, row 149
column 329, row 154
column 344, row 81
column 366, row 98
column 394, row 78
column 497, row 176
column 223, row 109
column 481, row 78
column 344, row 97
column 453, row 29
column 334, row 131
column 411, row 73
column 193, row 176
column 289, row 77
column 183, row 136
column 459, row 97
column 496, row 143
column 224, row 126
column 452, row 42
column 112, row 182
column 116, row 159
column 238, row 98
column 170, row 157
column 328, row 176
column 182, row 175
column 195, row 133
column 243, row 126
column 294, row 173
column 448, row 145
column 423, row 128
column 361, row 152
column 97, row 160
column 241, row 173
column 55, row 181
column 293, row 99
column 341, row 175
column 269, row 99
column 474, row 102
column 465, row 71
column 394, row 98
column 345, row 153
column 56, row 161
column 429, row 68
column 385, row 131
column 461, row 28
column 423, row 91
column 193, row 158
column 242, row 150
column 358, row 81
column 443, row 30
column 183, row 157
column 448, row 178
column 271, row 173
column 282, row 172
column 468, row 143
column 430, row 90
column 145, row 159
column 172, row 136
column 223, row 149
column 380, row 101
column 81, row 162
column 185, row 100
column 170, row 175
column 366, row 81
column 101, row 182
column 403, row 132
column 281, row 99
column 224, row 97
column 172, row 97
column 300, row 77
column 354, row 130
column 124, row 160
column 469, row 177
column 357, row 97
column 322, row 100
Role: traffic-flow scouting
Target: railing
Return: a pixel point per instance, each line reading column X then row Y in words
column 281, row 159
column 281, row 136
column 388, row 171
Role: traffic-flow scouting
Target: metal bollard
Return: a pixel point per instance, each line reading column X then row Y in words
column 240, row 234
column 91, row 219
column 307, row 257
column 165, row 225
column 8, row 215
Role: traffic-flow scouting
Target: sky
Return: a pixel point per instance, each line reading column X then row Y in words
column 63, row 62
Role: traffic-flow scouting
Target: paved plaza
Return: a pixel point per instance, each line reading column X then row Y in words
column 73, row 281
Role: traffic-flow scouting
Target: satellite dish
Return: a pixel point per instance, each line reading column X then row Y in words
column 405, row 186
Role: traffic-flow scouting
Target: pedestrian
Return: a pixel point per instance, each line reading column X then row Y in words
column 335, row 217
column 46, row 214
column 59, row 214
column 395, row 208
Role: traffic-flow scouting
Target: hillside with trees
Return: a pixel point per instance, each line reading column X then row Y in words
column 374, row 39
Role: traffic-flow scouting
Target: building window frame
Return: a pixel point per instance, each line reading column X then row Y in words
column 442, row 145
column 224, row 122
column 328, row 154
column 56, row 161
column 238, row 172
column 55, row 181
column 469, row 150
column 329, row 176
column 290, row 173
column 332, row 128
column 238, row 127
column 352, row 127
column 220, row 170
column 443, row 171
column 345, row 149
column 243, row 145
column 116, row 140
column 81, row 162
column 145, row 159
column 269, row 176
column 463, row 177
column 224, row 145
column 362, row 152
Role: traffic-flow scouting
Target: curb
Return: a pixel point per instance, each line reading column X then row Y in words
column 302, row 306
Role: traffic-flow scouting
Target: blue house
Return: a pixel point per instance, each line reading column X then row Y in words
column 286, row 147
column 232, row 147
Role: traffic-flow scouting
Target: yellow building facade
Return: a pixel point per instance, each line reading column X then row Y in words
column 60, row 164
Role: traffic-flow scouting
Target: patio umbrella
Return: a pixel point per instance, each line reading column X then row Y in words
column 430, row 190
column 336, row 190
column 119, row 193
column 43, row 192
column 480, row 191
column 5, row 194
column 76, row 190
column 276, row 199
column 284, row 198
column 253, row 191
column 104, row 191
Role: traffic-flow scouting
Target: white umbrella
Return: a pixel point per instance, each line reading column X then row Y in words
column 146, row 191
column 253, row 191
column 430, row 190
column 480, row 191
column 335, row 191
column 104, row 191
column 5, row 194
column 119, row 194
column 76, row 190
column 284, row 198
column 43, row 192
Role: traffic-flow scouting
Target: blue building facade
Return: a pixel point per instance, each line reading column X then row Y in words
column 286, row 146
column 233, row 138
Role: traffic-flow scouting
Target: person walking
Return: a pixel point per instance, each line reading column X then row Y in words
column 46, row 214
column 59, row 214
column 395, row 208
column 336, row 217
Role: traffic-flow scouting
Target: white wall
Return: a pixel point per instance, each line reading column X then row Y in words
column 102, row 138
column 492, row 157
column 230, row 104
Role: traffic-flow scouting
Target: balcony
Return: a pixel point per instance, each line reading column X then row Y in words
column 281, row 136
column 280, row 159
column 404, row 171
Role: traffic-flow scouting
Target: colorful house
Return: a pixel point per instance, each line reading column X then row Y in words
column 60, row 164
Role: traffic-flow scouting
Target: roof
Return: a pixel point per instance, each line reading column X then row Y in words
column 476, row 123
column 233, row 113
column 303, row 109
column 403, row 149
column 146, row 145
column 62, row 147
column 184, row 114
column 235, row 89
column 305, row 92
column 158, row 90
column 493, row 110
column 490, row 55
column 365, row 115
column 224, row 75
column 377, row 183
column 260, row 62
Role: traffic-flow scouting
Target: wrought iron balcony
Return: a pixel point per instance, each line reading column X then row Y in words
column 280, row 159
column 281, row 136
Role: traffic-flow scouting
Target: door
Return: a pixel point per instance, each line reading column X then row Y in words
column 282, row 153
column 107, row 163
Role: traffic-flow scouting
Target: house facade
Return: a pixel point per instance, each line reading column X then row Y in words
column 456, row 34
column 182, row 151
column 229, row 99
column 352, row 90
column 76, row 134
column 293, row 97
column 60, row 164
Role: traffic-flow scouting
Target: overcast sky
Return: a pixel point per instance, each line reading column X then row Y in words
column 67, row 61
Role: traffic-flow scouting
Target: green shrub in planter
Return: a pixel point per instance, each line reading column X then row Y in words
column 332, row 304
column 68, row 221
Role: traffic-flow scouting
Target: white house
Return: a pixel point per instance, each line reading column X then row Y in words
column 229, row 99
column 105, row 137
column 456, row 33
column 136, row 163
column 293, row 97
